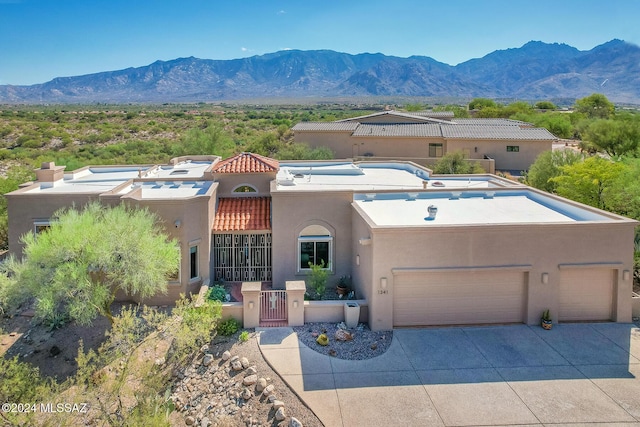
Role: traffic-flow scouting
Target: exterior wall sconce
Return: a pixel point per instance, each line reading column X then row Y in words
column 545, row 278
column 357, row 259
column 250, row 305
column 625, row 275
column 364, row 241
column 295, row 304
column 177, row 223
column 383, row 282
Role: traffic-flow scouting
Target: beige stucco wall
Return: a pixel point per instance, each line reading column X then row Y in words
column 340, row 143
column 545, row 248
column 24, row 209
column 291, row 213
column 228, row 181
column 497, row 150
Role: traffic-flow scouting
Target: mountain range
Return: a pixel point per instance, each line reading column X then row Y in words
column 534, row 71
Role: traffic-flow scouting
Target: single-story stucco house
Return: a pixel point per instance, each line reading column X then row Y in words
column 507, row 145
column 421, row 249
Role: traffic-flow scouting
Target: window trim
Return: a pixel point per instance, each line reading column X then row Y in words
column 44, row 224
column 235, row 191
column 513, row 148
column 303, row 239
column 193, row 278
column 436, row 146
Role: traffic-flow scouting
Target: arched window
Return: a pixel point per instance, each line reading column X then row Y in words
column 315, row 246
column 245, row 188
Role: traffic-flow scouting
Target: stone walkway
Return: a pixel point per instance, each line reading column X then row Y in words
column 498, row 375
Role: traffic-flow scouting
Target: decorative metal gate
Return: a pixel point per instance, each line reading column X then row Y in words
column 242, row 257
column 273, row 307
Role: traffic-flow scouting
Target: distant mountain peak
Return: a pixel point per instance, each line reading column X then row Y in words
column 536, row 70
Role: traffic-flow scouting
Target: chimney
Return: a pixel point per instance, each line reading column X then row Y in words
column 49, row 173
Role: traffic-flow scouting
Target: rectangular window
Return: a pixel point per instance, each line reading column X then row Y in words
column 193, row 262
column 435, row 150
column 513, row 148
column 314, row 250
column 40, row 226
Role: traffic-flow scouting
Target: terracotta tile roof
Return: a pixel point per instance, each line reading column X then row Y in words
column 247, row 163
column 243, row 213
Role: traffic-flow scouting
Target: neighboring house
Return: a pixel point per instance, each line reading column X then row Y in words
column 495, row 252
column 513, row 145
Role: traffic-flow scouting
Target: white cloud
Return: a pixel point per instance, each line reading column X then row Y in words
column 244, row 49
column 281, row 12
column 287, row 48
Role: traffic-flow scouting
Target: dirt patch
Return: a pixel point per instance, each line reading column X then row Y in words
column 52, row 351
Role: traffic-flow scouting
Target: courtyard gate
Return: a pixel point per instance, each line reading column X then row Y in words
column 273, row 308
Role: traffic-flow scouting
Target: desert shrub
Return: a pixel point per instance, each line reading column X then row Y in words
column 21, row 382
column 244, row 336
column 228, row 327
column 217, row 293
column 197, row 325
column 318, row 277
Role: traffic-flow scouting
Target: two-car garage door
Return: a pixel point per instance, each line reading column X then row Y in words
column 459, row 297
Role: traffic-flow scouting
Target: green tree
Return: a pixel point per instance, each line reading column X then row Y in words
column 481, row 103
column 548, row 166
column 588, row 181
column 622, row 196
column 545, row 105
column 414, row 107
column 595, row 106
column 210, row 140
column 456, row 163
column 614, row 137
column 75, row 268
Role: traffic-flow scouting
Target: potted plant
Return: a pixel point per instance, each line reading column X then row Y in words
column 546, row 321
column 342, row 288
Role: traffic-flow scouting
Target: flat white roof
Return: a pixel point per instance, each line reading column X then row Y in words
column 169, row 189
column 470, row 207
column 330, row 176
column 90, row 180
column 188, row 170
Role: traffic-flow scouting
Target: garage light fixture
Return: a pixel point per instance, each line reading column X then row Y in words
column 383, row 282
column 625, row 275
column 545, row 278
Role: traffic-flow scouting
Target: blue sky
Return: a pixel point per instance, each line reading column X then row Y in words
column 43, row 39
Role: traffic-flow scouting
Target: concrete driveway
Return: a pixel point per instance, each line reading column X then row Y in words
column 498, row 375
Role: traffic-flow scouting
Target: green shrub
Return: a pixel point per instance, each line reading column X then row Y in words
column 228, row 327
column 244, row 336
column 217, row 293
column 318, row 277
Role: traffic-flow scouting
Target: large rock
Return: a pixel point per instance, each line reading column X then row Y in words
column 207, row 359
column 245, row 362
column 261, row 384
column 268, row 390
column 189, row 420
column 277, row 404
column 250, row 380
column 342, row 335
column 294, row 422
column 280, row 414
column 226, row 355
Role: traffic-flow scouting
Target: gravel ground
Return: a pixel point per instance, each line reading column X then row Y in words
column 364, row 345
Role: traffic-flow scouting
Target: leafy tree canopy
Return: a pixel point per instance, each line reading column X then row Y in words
column 614, row 137
column 587, row 181
column 548, row 166
column 75, row 268
column 481, row 103
column 545, row 105
column 455, row 163
column 595, row 106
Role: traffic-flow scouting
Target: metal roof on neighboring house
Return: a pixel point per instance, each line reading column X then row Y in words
column 243, row 213
column 246, row 163
column 399, row 114
column 325, row 126
column 399, row 130
column 493, row 121
column 434, row 114
column 496, row 132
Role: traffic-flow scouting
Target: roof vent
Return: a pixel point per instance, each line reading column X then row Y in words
column 412, row 196
column 455, row 195
column 432, row 210
column 489, row 194
column 369, row 197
